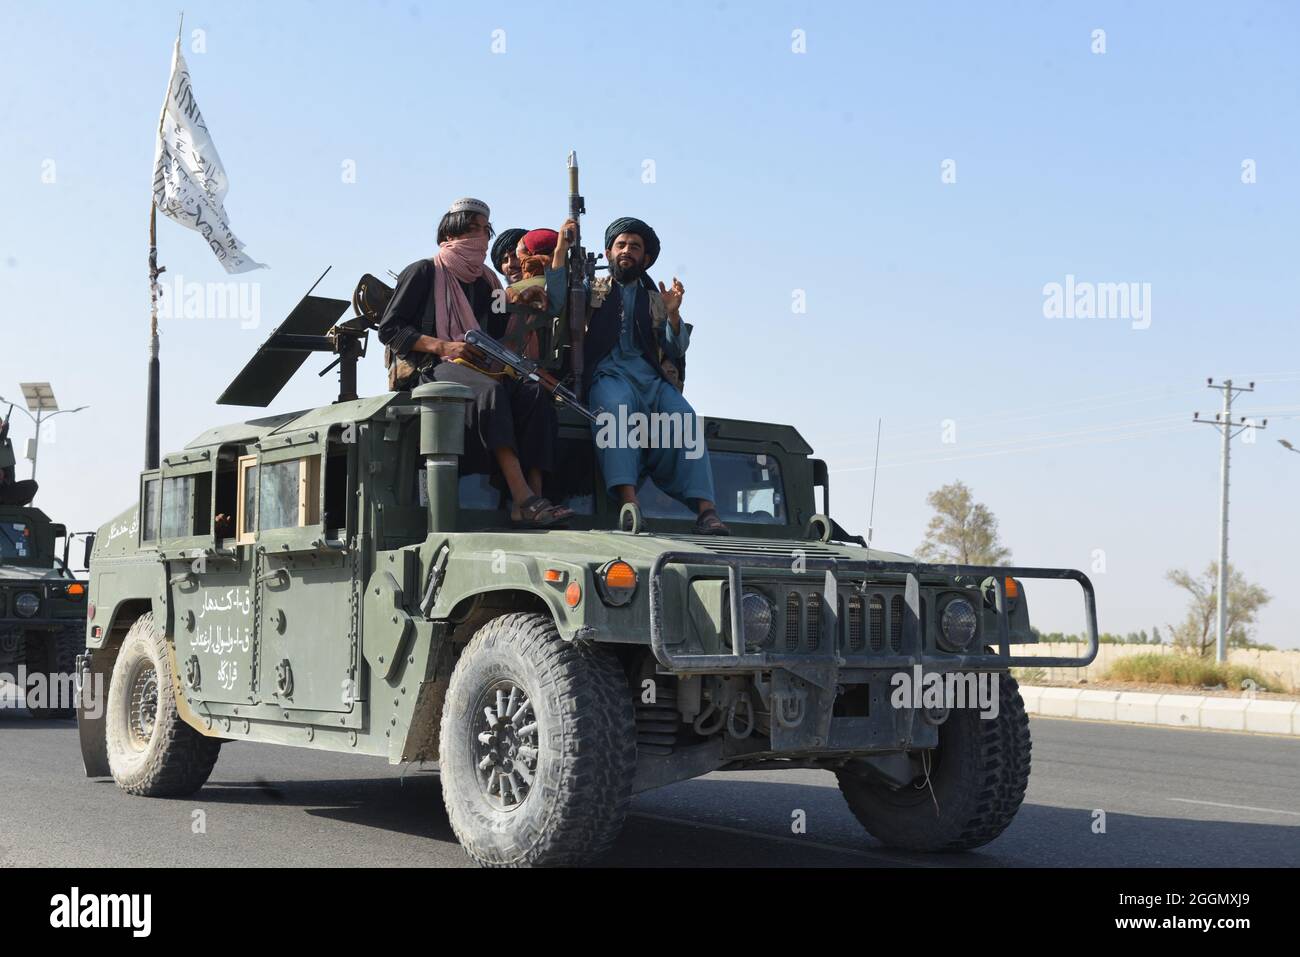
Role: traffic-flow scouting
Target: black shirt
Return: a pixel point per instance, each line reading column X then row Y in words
column 410, row 314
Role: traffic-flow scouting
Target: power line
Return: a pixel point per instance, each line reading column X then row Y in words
column 1068, row 433
column 1071, row 407
column 1096, row 440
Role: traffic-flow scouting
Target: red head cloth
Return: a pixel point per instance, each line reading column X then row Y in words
column 541, row 241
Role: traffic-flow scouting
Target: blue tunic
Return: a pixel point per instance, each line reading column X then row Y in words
column 625, row 383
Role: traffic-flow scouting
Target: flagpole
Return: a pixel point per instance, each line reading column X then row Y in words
column 153, row 393
column 151, row 427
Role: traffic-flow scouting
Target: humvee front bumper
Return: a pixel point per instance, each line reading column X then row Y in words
column 803, row 686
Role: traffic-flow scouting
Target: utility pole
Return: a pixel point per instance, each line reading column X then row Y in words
column 1223, row 422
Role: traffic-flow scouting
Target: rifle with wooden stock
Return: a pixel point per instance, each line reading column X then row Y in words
column 529, row 369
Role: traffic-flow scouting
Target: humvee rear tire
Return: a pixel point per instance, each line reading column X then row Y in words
column 537, row 746
column 54, row 655
column 151, row 751
column 978, row 774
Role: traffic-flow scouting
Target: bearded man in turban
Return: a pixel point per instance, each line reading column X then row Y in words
column 634, row 356
column 509, row 423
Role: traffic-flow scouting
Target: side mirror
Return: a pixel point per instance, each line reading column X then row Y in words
column 90, row 547
column 822, row 477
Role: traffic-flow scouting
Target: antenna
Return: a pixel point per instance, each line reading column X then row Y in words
column 875, row 476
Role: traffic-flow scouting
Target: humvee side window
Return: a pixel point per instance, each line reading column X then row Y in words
column 176, row 507
column 246, row 515
column 185, row 505
column 149, row 511
column 288, row 493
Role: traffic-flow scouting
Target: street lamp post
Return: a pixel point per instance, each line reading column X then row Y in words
column 40, row 400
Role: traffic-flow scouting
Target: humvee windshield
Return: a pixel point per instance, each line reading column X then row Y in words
column 748, row 487
column 747, row 484
column 15, row 540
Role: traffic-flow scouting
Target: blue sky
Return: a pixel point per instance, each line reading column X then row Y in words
column 775, row 171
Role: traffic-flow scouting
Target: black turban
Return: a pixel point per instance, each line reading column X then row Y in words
column 505, row 242
column 629, row 224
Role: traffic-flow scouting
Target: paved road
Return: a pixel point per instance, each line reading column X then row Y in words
column 1172, row 798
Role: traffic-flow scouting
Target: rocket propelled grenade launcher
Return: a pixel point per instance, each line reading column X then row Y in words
column 528, row 369
column 582, row 270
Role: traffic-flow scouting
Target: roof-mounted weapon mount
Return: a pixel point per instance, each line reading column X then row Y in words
column 312, row 326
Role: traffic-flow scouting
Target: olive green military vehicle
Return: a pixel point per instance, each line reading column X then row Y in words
column 328, row 579
column 42, row 603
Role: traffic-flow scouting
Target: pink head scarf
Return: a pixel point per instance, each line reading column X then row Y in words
column 463, row 259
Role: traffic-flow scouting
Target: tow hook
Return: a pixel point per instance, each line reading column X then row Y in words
column 790, row 708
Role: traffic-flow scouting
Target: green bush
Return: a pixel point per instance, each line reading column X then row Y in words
column 1187, row 670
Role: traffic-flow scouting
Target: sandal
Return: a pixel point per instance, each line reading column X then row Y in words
column 709, row 524
column 538, row 512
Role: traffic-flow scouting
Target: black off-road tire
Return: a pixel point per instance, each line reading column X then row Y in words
column 54, row 655
column 978, row 773
column 585, row 746
column 165, row 758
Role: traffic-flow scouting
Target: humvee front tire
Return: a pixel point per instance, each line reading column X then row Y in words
column 151, row 751
column 978, row 773
column 54, row 655
column 537, row 746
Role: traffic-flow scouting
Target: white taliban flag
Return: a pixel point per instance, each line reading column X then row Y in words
column 189, row 182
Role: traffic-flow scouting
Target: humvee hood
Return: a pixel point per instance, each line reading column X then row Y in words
column 118, row 535
column 11, row 574
column 643, row 549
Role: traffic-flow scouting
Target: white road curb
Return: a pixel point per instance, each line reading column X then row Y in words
column 1171, row 710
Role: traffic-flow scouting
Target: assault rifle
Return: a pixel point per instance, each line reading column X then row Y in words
column 529, row 369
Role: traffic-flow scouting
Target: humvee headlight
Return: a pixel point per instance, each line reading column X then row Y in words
column 26, row 604
column 756, row 619
column 617, row 582
column 957, row 625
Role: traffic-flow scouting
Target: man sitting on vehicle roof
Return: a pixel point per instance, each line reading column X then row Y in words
column 509, row 423
column 13, row 490
column 505, row 256
column 634, row 349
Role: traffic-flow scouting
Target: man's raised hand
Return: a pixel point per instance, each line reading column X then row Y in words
column 562, row 244
column 672, row 297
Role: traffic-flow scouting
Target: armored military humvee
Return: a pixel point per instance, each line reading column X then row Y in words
column 329, row 579
column 42, row 612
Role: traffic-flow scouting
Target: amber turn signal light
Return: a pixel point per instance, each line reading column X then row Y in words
column 76, row 589
column 573, row 595
column 617, row 582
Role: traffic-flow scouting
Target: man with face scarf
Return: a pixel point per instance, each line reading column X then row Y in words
column 635, row 344
column 509, row 423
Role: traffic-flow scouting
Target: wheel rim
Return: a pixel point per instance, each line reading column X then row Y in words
column 142, row 709
column 503, row 742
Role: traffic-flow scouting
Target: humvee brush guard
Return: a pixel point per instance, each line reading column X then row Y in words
column 363, row 596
